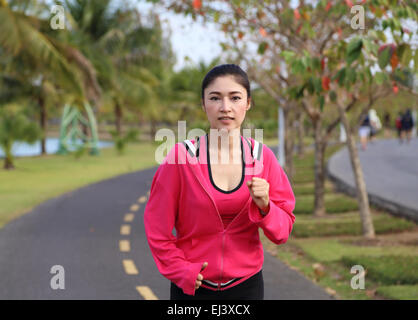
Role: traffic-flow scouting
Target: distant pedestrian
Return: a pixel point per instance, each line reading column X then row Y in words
column 364, row 131
column 407, row 125
column 375, row 124
column 386, row 125
column 398, row 124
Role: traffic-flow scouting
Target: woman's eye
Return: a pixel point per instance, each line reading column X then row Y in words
column 214, row 98
column 238, row 98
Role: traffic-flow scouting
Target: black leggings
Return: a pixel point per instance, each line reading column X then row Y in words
column 250, row 289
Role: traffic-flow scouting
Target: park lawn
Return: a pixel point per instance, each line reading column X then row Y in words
column 401, row 292
column 348, row 224
column 37, row 179
column 324, row 249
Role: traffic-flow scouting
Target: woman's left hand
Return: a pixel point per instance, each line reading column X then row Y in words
column 259, row 191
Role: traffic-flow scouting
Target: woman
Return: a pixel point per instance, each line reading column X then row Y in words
column 218, row 206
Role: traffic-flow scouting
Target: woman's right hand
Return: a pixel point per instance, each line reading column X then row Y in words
column 200, row 276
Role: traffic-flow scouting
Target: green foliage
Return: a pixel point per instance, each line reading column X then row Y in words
column 15, row 126
column 121, row 141
column 354, row 50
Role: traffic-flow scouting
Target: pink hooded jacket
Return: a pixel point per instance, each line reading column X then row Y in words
column 180, row 198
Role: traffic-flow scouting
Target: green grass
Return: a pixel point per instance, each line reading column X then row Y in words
column 334, row 203
column 405, row 292
column 37, row 179
column 331, row 249
column 347, row 224
column 393, row 269
column 301, row 189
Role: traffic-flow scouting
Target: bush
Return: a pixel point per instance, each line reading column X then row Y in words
column 335, row 226
column 387, row 270
column 407, row 292
column 334, row 203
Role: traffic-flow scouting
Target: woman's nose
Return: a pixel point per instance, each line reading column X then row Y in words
column 226, row 104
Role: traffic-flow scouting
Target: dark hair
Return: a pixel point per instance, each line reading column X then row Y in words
column 234, row 70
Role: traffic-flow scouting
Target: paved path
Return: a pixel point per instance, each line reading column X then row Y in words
column 390, row 171
column 81, row 230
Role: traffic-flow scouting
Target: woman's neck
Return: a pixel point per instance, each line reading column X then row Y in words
column 228, row 144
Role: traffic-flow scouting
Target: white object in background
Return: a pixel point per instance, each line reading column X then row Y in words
column 281, row 151
column 343, row 134
column 414, row 129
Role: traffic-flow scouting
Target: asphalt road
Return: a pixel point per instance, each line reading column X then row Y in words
column 390, row 172
column 81, row 232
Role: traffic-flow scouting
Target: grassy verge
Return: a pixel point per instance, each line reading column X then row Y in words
column 325, row 249
column 37, row 179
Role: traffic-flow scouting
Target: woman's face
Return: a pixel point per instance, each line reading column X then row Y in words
column 225, row 103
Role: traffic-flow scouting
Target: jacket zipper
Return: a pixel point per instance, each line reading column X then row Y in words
column 222, row 260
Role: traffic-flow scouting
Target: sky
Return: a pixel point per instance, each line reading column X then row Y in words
column 189, row 38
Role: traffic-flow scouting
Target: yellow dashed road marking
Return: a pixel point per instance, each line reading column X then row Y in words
column 125, row 229
column 134, row 207
column 142, row 199
column 146, row 293
column 124, row 245
column 129, row 217
column 129, row 266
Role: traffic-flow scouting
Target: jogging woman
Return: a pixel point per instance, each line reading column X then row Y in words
column 215, row 205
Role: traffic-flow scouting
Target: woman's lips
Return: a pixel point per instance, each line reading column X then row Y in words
column 226, row 120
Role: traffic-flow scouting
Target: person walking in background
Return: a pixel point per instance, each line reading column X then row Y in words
column 407, row 125
column 386, row 125
column 375, row 124
column 364, row 131
column 398, row 125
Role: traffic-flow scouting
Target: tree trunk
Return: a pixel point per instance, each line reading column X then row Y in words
column 43, row 123
column 288, row 144
column 118, row 119
column 8, row 159
column 153, row 130
column 319, row 171
column 300, row 130
column 363, row 200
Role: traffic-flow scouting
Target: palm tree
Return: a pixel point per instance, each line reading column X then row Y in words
column 15, row 126
column 35, row 52
column 123, row 54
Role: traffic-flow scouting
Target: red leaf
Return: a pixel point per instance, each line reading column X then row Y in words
column 394, row 61
column 349, row 3
column 296, row 14
column 395, row 88
column 262, row 32
column 325, row 83
column 197, row 4
column 329, row 5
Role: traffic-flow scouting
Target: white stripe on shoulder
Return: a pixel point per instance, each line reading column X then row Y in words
column 191, row 146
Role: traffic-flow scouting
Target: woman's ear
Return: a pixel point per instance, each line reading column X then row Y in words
column 248, row 104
